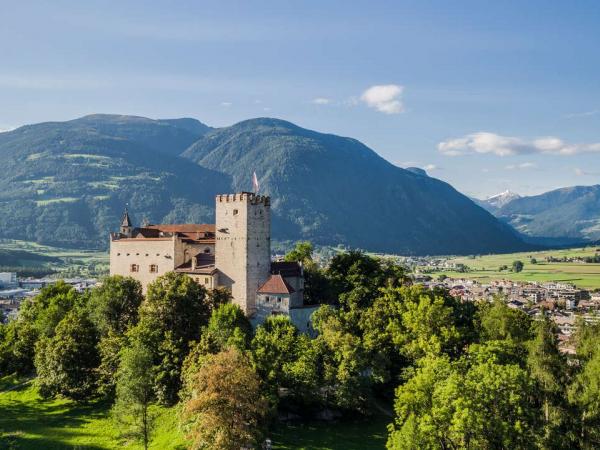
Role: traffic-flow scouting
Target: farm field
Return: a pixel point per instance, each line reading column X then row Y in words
column 486, row 268
column 63, row 261
column 27, row 422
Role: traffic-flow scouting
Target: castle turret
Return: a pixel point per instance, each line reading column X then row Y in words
column 243, row 245
column 126, row 226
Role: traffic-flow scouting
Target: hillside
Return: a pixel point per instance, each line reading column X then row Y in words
column 66, row 183
column 572, row 212
column 331, row 189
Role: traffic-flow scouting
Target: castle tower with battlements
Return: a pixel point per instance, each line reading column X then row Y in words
column 243, row 245
column 234, row 253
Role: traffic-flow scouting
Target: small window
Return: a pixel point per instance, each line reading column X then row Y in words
column 134, row 268
column 235, row 212
column 206, row 280
column 278, row 299
column 153, row 268
column 267, row 299
column 207, row 250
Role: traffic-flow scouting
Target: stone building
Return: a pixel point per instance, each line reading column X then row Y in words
column 234, row 253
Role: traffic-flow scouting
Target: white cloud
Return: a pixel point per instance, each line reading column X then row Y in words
column 430, row 167
column 582, row 114
column 321, row 101
column 384, row 98
column 522, row 166
column 226, row 104
column 490, row 143
column 585, row 173
column 5, row 128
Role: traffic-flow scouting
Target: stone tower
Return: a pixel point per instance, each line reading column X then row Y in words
column 243, row 245
column 126, row 226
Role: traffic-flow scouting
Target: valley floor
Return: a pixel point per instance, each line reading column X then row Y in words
column 486, row 268
column 28, row 422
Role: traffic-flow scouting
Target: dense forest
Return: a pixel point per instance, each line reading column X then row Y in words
column 456, row 375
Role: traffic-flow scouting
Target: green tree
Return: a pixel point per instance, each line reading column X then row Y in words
column 517, row 266
column 171, row 318
column 49, row 307
column 113, row 307
column 38, row 317
column 344, row 363
column 302, row 253
column 473, row 403
column 428, row 323
column 286, row 359
column 135, row 394
column 176, row 303
column 228, row 410
column 114, row 304
column 228, row 326
column 584, row 393
column 496, row 321
column 547, row 367
column 17, row 347
column 66, row 362
column 274, row 347
column 584, row 390
column 109, row 349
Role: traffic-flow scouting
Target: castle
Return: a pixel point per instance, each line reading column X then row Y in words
column 234, row 253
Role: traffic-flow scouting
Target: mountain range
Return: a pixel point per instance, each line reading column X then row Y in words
column 563, row 215
column 66, row 183
column 495, row 202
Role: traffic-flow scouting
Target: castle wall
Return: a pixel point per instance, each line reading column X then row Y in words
column 243, row 245
column 188, row 250
column 161, row 252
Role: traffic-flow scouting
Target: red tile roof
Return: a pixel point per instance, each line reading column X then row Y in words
column 275, row 285
column 184, row 228
column 194, row 231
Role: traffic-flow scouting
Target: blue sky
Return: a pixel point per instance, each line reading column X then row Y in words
column 486, row 95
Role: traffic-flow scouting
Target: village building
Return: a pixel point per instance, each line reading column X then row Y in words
column 234, row 253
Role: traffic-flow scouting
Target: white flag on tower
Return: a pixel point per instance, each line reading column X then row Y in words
column 255, row 184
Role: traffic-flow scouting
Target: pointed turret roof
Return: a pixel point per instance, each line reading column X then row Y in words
column 126, row 221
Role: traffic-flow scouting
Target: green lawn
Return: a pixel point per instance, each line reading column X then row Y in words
column 367, row 434
column 29, row 423
column 485, row 268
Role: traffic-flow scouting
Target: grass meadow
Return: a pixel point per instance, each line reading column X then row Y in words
column 27, row 422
